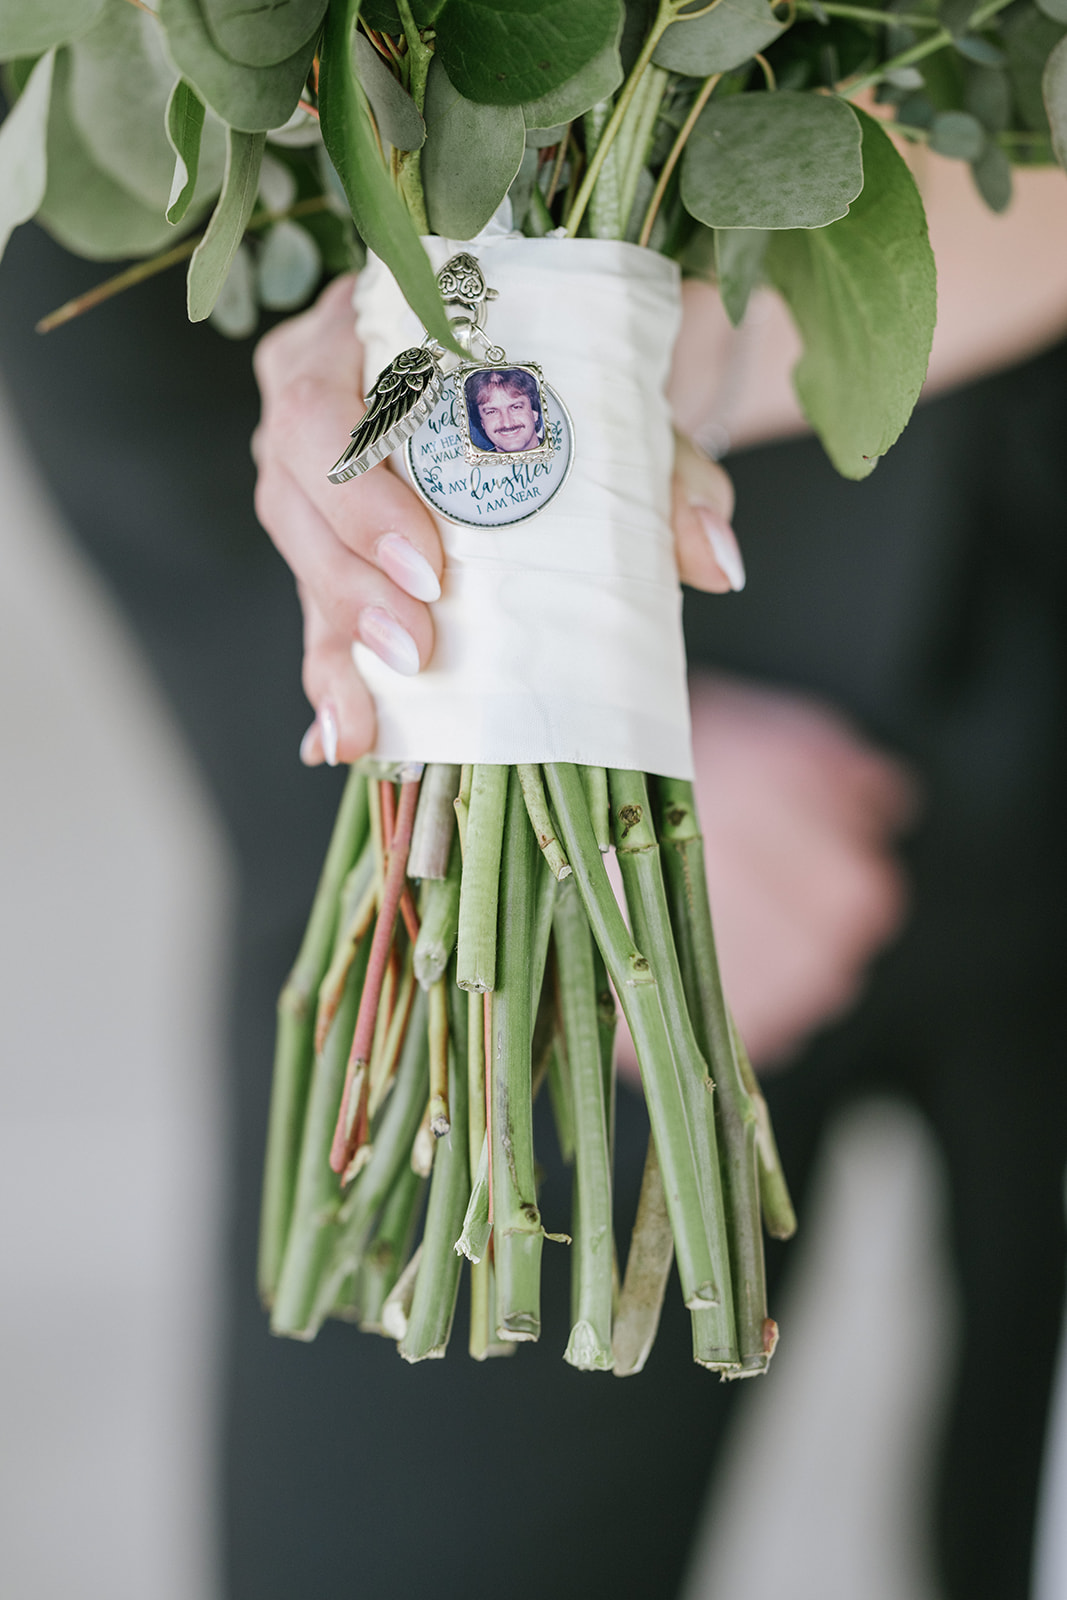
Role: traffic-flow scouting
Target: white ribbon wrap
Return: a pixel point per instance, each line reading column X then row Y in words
column 559, row 638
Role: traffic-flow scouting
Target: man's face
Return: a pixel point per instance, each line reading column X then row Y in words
column 508, row 419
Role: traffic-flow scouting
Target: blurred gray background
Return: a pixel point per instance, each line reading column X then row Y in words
column 112, row 973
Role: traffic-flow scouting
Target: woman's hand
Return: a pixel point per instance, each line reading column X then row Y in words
column 366, row 555
column 799, row 815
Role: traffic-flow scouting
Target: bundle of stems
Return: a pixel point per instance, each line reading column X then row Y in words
column 465, row 948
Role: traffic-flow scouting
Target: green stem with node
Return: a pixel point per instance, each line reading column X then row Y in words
column 589, row 1346
column 480, row 885
column 648, row 1267
column 517, row 1230
column 642, row 876
column 683, row 849
column 639, row 995
column 294, row 1044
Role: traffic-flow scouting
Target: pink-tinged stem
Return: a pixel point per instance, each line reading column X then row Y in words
column 351, row 1130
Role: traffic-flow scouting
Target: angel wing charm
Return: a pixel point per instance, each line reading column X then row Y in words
column 400, row 401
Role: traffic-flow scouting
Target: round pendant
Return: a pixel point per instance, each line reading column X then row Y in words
column 495, row 449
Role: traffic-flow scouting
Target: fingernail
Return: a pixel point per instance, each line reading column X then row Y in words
column 723, row 543
column 383, row 634
column 327, row 720
column 409, row 570
column 311, row 746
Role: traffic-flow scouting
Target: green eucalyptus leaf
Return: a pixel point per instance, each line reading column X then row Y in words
column 957, row 134
column 739, row 254
column 988, row 97
column 1029, row 41
column 782, row 160
column 395, row 112
column 1055, row 91
column 249, row 99
column 992, row 177
column 1056, row 9
column 471, row 155
column 214, row 254
column 235, row 313
column 719, row 41
column 507, row 52
column 377, row 210
column 24, row 150
column 185, row 125
column 277, row 184
column 543, row 138
column 84, row 207
column 863, row 294
column 28, row 27
column 597, row 80
column 955, row 15
column 522, row 187
column 262, row 35
column 121, row 80
column 983, row 52
column 288, row 268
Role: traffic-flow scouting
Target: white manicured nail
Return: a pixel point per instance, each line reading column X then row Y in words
column 327, row 720
column 310, row 749
column 723, row 543
column 383, row 634
column 409, row 570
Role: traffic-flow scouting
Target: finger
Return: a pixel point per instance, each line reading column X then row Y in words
column 377, row 516
column 702, row 503
column 356, row 598
column 321, row 342
column 344, row 725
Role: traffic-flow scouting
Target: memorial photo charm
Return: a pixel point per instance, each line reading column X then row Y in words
column 495, row 449
column 402, row 399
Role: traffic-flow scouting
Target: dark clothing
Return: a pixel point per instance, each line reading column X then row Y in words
column 927, row 602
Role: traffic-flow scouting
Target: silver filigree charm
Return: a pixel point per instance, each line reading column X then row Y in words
column 401, row 400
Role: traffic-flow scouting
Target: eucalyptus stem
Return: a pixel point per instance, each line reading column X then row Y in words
column 438, row 1027
column 141, row 271
column 919, row 52
column 642, row 876
column 351, row 1121
column 440, row 921
column 703, row 96
column 433, row 1303
column 517, row 1230
column 294, row 1043
column 666, row 13
column 595, row 784
column 480, row 885
column 383, row 1063
column 589, row 1346
column 639, row 996
column 533, row 793
column 683, row 849
column 388, row 1250
column 318, row 1198
column 473, row 1241
column 435, row 822
column 779, row 1218
column 648, row 1267
column 390, row 1151
column 358, row 906
column 409, row 169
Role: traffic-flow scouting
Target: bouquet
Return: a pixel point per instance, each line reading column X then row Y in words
column 529, row 179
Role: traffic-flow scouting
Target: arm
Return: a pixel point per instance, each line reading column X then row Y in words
column 1002, row 296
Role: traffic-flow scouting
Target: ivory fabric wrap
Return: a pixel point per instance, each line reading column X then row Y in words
column 560, row 638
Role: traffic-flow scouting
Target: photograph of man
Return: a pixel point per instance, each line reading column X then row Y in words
column 504, row 410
